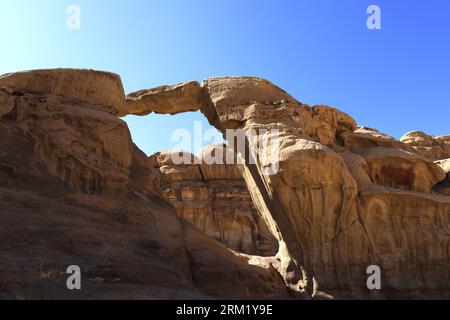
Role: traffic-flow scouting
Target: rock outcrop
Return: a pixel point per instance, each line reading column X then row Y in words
column 436, row 148
column 344, row 197
column 338, row 198
column 215, row 199
column 99, row 90
column 444, row 186
column 74, row 190
column 400, row 169
column 331, row 227
column 182, row 97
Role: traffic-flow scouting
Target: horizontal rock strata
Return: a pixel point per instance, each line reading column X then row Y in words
column 216, row 200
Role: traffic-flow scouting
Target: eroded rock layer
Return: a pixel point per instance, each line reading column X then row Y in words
column 74, row 190
column 215, row 199
column 335, row 218
column 444, row 186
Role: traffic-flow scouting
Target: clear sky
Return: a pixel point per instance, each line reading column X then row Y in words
column 395, row 79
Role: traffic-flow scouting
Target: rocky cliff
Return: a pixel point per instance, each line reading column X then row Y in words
column 74, row 189
column 215, row 199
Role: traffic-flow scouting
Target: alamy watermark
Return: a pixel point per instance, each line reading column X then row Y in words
column 74, row 280
column 374, row 20
column 250, row 146
column 74, row 19
column 374, row 279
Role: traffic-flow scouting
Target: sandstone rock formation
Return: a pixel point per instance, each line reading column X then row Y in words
column 166, row 99
column 344, row 197
column 444, row 186
column 100, row 90
column 215, row 199
column 436, row 148
column 400, row 169
column 75, row 190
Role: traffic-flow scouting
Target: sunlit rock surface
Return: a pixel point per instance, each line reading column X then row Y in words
column 215, row 198
column 74, row 189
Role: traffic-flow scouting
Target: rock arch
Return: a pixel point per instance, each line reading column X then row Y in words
column 297, row 216
column 318, row 204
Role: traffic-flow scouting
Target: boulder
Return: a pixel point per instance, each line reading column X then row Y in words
column 94, row 89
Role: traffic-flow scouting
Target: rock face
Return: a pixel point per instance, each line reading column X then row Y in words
column 401, row 170
column 331, row 226
column 182, row 97
column 215, row 199
column 344, row 197
column 338, row 198
column 99, row 90
column 444, row 186
column 74, row 190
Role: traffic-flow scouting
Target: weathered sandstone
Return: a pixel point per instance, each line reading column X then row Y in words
column 444, row 186
column 99, row 90
column 74, row 189
column 329, row 227
column 436, row 148
column 182, row 97
column 345, row 197
column 400, row 169
column 215, row 199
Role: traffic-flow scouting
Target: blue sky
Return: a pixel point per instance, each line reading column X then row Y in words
column 395, row 79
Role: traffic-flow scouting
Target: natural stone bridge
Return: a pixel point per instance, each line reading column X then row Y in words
column 345, row 197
